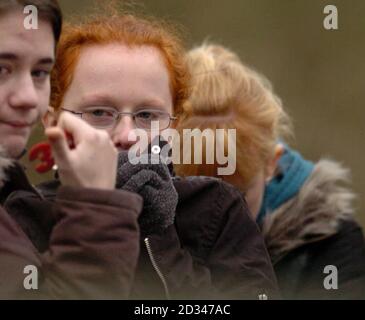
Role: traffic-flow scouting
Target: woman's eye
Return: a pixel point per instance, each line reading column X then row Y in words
column 146, row 115
column 101, row 113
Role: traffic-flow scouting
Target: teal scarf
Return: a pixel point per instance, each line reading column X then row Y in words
column 293, row 172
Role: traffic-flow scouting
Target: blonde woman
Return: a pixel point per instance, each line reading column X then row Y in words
column 303, row 209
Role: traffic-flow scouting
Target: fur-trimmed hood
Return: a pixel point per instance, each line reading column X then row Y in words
column 313, row 214
column 4, row 163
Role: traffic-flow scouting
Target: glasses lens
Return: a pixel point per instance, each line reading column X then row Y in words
column 145, row 118
column 100, row 118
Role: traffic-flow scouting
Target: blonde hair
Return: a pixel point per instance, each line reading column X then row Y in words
column 226, row 94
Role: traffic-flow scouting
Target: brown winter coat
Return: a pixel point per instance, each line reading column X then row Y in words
column 213, row 250
column 83, row 258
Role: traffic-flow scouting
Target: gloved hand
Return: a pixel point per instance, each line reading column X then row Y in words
column 152, row 182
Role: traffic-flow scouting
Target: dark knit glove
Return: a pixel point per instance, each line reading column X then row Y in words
column 152, row 182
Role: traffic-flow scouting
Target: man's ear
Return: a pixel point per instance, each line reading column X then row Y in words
column 50, row 118
column 273, row 163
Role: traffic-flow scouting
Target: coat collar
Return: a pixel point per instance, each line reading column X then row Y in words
column 12, row 177
column 5, row 163
column 315, row 213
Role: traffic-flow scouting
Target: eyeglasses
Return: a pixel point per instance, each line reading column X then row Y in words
column 108, row 118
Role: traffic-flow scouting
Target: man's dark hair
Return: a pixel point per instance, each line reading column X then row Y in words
column 48, row 10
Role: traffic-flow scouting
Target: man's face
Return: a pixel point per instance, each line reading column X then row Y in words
column 26, row 59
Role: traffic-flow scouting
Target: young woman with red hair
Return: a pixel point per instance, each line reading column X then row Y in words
column 118, row 73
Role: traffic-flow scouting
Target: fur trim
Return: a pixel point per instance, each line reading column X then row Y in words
column 314, row 213
column 4, row 163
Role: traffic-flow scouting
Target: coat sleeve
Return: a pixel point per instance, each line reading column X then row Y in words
column 16, row 253
column 93, row 248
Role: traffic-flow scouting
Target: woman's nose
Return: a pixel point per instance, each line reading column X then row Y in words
column 123, row 135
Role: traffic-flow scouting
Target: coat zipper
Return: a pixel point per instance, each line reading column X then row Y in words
column 155, row 266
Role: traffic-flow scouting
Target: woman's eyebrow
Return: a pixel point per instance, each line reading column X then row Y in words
column 159, row 104
column 97, row 99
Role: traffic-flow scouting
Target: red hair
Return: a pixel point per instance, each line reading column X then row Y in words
column 128, row 30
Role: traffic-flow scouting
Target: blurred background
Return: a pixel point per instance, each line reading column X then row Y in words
column 317, row 73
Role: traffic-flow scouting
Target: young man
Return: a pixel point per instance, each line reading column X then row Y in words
column 83, row 259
